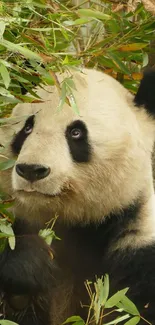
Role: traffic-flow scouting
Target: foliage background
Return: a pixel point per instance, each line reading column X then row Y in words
column 38, row 38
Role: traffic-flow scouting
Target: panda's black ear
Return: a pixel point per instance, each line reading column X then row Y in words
column 146, row 93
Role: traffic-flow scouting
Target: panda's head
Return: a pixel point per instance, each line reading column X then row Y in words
column 84, row 167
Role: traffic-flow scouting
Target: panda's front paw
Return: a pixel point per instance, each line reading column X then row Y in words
column 29, row 269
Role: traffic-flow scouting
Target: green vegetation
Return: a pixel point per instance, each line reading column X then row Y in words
column 38, row 38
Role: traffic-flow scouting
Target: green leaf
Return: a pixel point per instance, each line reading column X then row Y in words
column 70, row 83
column 6, row 119
column 3, row 235
column 73, row 103
column 67, row 93
column 74, row 319
column 7, row 64
column 128, row 306
column 6, row 93
column 8, row 99
column 133, row 321
column 81, row 322
column 145, row 59
column 7, row 322
column 123, row 68
column 12, row 242
column 5, row 75
column 114, row 26
column 19, row 78
column 8, row 214
column 7, row 231
column 118, row 320
column 132, row 47
column 62, row 96
column 6, row 205
column 116, row 298
column 102, row 292
column 106, row 62
column 79, row 21
column 7, row 164
column 48, row 235
column 22, row 50
column 2, row 28
column 105, row 290
column 66, row 60
column 3, row 243
column 44, row 29
column 93, row 14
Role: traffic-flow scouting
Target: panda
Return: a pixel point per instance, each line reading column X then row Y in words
column 93, row 170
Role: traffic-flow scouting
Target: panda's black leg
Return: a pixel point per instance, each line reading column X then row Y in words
column 27, row 276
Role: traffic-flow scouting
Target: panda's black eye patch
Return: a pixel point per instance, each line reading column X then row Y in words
column 77, row 138
column 21, row 136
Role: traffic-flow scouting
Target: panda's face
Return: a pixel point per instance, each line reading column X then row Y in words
column 80, row 167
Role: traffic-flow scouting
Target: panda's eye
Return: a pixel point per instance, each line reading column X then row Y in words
column 29, row 125
column 76, row 133
column 28, row 129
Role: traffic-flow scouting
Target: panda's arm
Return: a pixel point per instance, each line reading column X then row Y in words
column 135, row 269
column 29, row 268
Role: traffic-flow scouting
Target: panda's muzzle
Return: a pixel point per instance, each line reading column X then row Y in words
column 32, row 172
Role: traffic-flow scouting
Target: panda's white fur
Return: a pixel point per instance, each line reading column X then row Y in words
column 119, row 173
column 121, row 138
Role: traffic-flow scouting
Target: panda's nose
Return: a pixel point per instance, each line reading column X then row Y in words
column 32, row 172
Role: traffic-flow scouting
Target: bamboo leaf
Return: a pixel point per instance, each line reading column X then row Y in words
column 6, row 229
column 128, row 306
column 48, row 235
column 74, row 319
column 62, row 95
column 2, row 28
column 7, row 322
column 132, row 47
column 22, row 50
column 7, row 164
column 70, row 83
column 93, row 14
column 72, row 101
column 5, row 75
column 12, row 242
column 133, row 321
column 118, row 62
column 116, row 298
column 105, row 290
column 145, row 59
column 5, row 92
column 79, row 21
column 118, row 320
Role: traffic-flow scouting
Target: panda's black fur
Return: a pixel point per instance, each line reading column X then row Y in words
column 38, row 289
column 29, row 274
column 145, row 94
